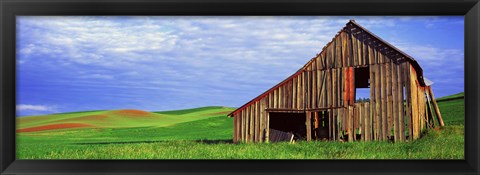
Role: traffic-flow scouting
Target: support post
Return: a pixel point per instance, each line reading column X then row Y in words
column 435, row 106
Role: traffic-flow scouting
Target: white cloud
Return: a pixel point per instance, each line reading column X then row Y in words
column 26, row 107
column 97, row 76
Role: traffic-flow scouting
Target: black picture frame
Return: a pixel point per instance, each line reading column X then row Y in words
column 10, row 8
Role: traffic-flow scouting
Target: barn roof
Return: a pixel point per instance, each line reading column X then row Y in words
column 410, row 59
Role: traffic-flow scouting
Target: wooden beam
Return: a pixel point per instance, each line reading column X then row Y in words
column 378, row 103
column 415, row 117
column 383, row 101
column 435, row 106
column 368, row 123
column 431, row 122
column 401, row 107
column 351, row 129
column 308, row 124
column 389, row 101
column 372, row 102
column 396, row 101
column 267, row 129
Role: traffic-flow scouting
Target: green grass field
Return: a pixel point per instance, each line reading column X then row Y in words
column 206, row 133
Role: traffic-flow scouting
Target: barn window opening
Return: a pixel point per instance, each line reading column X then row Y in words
column 362, row 84
column 293, row 123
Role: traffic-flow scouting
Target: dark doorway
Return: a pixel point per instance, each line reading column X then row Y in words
column 322, row 125
column 289, row 122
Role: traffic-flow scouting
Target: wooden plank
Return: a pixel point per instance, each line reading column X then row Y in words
column 429, row 109
column 350, row 124
column 396, row 101
column 329, row 88
column 239, row 128
column 252, row 124
column 352, row 85
column 307, row 89
column 408, row 89
column 343, row 48
column 290, row 94
column 368, row 123
column 353, row 53
column 324, row 89
column 247, row 125
column 389, row 101
column 334, row 102
column 335, row 123
column 359, row 50
column 257, row 121
column 320, row 86
column 278, row 136
column 346, row 85
column 294, row 93
column 240, row 124
column 382, row 101
column 298, row 84
column 281, row 96
column 275, row 98
column 401, row 110
column 377, row 103
column 257, row 126
column 421, row 113
column 262, row 119
column 355, row 121
column 308, row 125
column 335, row 61
column 372, row 101
column 339, row 103
column 235, row 120
column 435, row 106
column 314, row 88
column 361, row 120
column 414, row 96
column 301, row 91
column 267, row 125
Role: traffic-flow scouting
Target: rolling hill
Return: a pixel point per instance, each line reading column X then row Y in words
column 125, row 118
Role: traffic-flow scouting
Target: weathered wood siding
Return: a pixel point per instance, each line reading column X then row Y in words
column 327, row 83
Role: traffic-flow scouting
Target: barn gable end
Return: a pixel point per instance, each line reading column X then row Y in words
column 321, row 95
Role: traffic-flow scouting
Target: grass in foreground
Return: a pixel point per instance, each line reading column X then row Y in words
column 446, row 143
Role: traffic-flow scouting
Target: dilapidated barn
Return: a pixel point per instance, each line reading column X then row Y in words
column 318, row 102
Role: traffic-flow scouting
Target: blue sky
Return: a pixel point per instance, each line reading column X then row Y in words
column 166, row 62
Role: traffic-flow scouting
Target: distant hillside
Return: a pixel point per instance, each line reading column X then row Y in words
column 460, row 95
column 193, row 110
column 125, row 118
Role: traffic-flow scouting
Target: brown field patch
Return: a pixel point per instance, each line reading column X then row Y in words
column 132, row 113
column 54, row 126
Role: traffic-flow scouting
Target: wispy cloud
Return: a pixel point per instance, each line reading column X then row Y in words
column 27, row 107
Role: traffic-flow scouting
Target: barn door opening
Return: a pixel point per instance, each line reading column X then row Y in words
column 322, row 125
column 293, row 123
